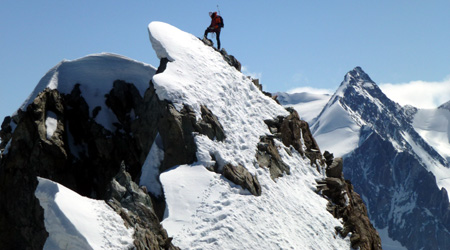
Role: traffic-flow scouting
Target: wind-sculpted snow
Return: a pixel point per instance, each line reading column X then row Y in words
column 196, row 74
column 95, row 74
column 88, row 116
column 77, row 222
column 206, row 211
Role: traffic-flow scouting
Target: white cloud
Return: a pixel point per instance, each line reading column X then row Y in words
column 419, row 94
column 311, row 90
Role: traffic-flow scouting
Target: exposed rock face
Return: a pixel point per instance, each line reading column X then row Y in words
column 105, row 163
column 84, row 156
column 240, row 176
column 5, row 131
column 345, row 203
column 268, row 157
column 335, row 168
column 135, row 207
column 296, row 133
column 231, row 60
column 393, row 186
column 21, row 216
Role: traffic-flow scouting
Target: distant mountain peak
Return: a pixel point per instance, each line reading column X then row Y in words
column 445, row 106
column 357, row 81
column 358, row 74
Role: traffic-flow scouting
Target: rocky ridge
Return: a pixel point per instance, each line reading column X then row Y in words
column 102, row 164
column 390, row 164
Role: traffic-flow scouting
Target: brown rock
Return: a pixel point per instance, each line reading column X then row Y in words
column 240, row 176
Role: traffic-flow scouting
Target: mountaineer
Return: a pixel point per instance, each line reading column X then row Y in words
column 215, row 27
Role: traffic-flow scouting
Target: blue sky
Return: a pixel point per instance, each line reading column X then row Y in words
column 288, row 44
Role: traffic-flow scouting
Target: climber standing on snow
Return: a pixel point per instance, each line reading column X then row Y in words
column 215, row 26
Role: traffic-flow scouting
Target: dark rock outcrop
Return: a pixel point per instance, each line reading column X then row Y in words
column 268, row 157
column 296, row 133
column 104, row 163
column 231, row 60
column 335, row 168
column 345, row 203
column 240, row 176
column 5, row 132
column 135, row 207
column 84, row 156
column 398, row 179
column 21, row 216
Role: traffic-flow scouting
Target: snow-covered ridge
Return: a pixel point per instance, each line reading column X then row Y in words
column 204, row 210
column 95, row 74
column 197, row 74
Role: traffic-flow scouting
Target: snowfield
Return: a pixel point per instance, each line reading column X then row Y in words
column 77, row 222
column 95, row 74
column 434, row 126
column 206, row 211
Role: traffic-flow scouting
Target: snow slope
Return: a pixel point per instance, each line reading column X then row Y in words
column 199, row 75
column 95, row 74
column 308, row 105
column 77, row 222
column 204, row 210
column 371, row 132
column 337, row 132
column 434, row 126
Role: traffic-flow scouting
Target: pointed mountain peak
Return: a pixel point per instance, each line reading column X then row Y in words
column 357, row 75
column 356, row 79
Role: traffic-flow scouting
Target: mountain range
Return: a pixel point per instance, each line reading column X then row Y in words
column 396, row 157
column 112, row 153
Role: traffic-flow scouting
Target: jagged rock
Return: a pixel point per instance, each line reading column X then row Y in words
column 207, row 41
column 345, row 203
column 257, row 84
column 231, row 60
column 268, row 156
column 125, row 101
column 175, row 127
column 135, row 207
column 260, row 87
column 240, row 176
column 328, row 158
column 176, row 131
column 293, row 131
column 162, row 65
column 336, row 168
column 87, row 163
column 5, row 132
column 210, row 125
column 96, row 152
column 30, row 152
